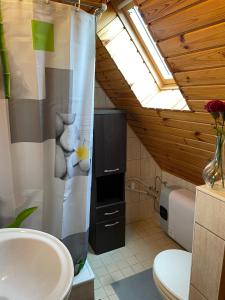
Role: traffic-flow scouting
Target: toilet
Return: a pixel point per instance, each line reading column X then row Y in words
column 171, row 273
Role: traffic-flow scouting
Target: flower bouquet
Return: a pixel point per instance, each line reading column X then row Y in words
column 214, row 170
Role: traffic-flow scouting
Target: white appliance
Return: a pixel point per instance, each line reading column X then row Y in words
column 177, row 214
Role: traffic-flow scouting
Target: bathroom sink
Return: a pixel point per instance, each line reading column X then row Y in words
column 33, row 265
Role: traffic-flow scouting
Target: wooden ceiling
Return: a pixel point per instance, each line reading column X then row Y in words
column 191, row 36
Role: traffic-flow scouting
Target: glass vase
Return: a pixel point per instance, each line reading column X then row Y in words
column 214, row 170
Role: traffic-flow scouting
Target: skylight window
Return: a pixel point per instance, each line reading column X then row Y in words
column 149, row 42
column 137, row 71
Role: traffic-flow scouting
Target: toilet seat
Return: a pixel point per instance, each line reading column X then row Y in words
column 171, row 272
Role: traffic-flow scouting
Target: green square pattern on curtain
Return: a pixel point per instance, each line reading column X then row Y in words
column 43, row 35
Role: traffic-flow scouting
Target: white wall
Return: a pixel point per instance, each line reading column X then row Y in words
column 171, row 180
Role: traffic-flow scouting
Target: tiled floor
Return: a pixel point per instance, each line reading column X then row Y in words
column 144, row 240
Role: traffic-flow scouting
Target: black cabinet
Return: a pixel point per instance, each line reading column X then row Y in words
column 110, row 143
column 107, row 228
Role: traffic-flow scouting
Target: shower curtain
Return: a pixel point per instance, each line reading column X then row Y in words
column 46, row 126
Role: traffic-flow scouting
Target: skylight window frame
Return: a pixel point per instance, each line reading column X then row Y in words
column 144, row 50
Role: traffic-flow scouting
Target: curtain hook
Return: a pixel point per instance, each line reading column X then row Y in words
column 77, row 5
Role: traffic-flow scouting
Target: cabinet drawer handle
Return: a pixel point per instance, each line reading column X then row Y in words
column 110, row 171
column 111, row 225
column 111, row 213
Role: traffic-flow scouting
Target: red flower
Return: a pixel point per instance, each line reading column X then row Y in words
column 215, row 106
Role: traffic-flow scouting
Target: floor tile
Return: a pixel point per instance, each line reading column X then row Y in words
column 100, row 294
column 121, row 264
column 132, row 260
column 116, row 276
column 106, row 280
column 137, row 268
column 100, row 271
column 128, row 272
column 112, row 267
column 109, row 290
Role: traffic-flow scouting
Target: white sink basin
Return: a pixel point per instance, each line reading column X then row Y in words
column 33, row 266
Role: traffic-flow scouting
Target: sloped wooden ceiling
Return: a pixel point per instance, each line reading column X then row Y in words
column 191, row 36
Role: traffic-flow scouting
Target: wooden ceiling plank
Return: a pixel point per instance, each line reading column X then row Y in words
column 200, row 15
column 176, row 115
column 115, row 84
column 109, row 75
column 183, row 165
column 212, row 58
column 155, row 129
column 191, row 177
column 202, row 145
column 203, row 39
column 171, row 147
column 179, row 155
column 105, row 65
column 215, row 76
column 157, row 9
column 187, row 116
column 170, row 122
column 197, row 105
column 204, row 92
column 121, row 103
column 175, row 146
column 186, row 141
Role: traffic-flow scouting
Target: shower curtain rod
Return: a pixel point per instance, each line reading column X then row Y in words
column 100, row 7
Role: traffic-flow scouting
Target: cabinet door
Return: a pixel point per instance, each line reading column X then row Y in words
column 195, row 295
column 207, row 262
column 109, row 144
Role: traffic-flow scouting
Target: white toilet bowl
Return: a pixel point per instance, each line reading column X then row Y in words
column 171, row 272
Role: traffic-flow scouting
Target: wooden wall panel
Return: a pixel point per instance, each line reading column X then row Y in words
column 190, row 35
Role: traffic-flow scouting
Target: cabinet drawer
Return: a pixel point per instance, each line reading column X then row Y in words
column 110, row 235
column 210, row 213
column 109, row 212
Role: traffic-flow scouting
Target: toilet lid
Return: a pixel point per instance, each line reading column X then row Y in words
column 173, row 269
